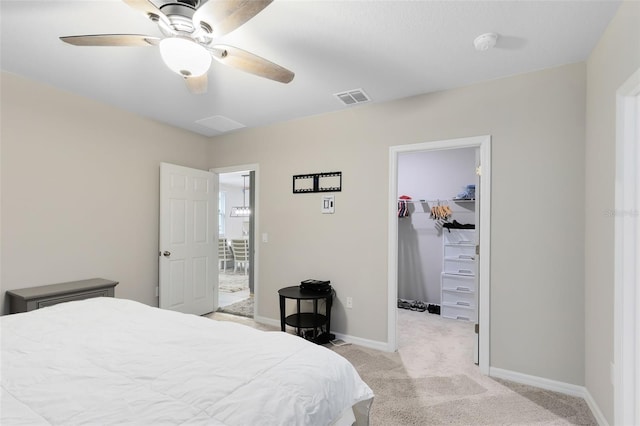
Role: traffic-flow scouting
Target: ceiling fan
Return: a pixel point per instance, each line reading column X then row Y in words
column 190, row 28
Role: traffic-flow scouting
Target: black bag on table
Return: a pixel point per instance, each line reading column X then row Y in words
column 315, row 286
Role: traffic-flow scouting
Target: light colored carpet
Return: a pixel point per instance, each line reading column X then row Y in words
column 243, row 308
column 231, row 283
column 432, row 380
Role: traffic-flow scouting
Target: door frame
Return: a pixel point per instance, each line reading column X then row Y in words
column 484, row 276
column 253, row 243
column 626, row 371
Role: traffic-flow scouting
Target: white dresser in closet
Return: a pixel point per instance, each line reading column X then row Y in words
column 458, row 278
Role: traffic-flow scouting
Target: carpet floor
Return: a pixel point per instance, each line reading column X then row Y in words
column 243, row 308
column 432, row 380
column 230, row 282
column 234, row 295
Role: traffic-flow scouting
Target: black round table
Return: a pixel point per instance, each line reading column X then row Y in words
column 307, row 320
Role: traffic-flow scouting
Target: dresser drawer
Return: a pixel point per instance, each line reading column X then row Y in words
column 458, row 312
column 459, row 298
column 459, row 236
column 459, row 251
column 459, row 266
column 458, row 282
column 43, row 303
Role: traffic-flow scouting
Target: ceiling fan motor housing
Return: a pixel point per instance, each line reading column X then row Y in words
column 194, row 4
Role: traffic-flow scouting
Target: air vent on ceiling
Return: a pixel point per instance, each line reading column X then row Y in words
column 220, row 123
column 352, row 97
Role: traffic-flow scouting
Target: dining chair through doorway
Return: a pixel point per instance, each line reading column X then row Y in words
column 225, row 254
column 240, row 248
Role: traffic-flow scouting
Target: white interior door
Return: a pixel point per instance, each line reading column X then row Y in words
column 188, row 239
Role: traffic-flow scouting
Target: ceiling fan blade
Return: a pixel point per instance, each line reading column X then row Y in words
column 148, row 9
column 197, row 85
column 254, row 64
column 224, row 16
column 111, row 40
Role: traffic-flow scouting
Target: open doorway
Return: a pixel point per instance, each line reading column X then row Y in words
column 437, row 279
column 474, row 310
column 236, row 219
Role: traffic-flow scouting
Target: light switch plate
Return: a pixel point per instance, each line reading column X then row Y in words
column 328, row 204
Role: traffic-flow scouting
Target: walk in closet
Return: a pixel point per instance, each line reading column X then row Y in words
column 436, row 231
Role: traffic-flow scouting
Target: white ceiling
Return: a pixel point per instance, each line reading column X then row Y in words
column 390, row 49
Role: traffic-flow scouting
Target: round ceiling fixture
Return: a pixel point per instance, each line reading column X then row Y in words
column 485, row 41
column 184, row 56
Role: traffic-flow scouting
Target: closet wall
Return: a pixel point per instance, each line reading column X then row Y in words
column 429, row 175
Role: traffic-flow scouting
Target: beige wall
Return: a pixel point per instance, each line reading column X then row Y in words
column 537, row 289
column 80, row 184
column 611, row 63
column 80, row 199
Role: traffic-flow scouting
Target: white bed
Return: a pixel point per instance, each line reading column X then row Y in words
column 114, row 361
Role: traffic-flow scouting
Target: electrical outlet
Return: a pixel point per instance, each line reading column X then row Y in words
column 349, row 302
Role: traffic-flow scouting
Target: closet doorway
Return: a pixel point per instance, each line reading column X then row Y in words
column 438, row 222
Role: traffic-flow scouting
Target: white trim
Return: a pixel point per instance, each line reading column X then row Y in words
column 267, row 321
column 372, row 344
column 539, row 382
column 392, row 261
column 235, row 169
column 484, row 279
column 256, row 226
column 626, row 369
column 552, row 385
column 595, row 409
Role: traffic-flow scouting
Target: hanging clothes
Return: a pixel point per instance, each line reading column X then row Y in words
column 403, row 205
column 441, row 215
column 441, row 212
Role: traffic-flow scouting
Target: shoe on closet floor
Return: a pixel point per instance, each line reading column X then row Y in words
column 433, row 309
column 418, row 306
column 404, row 304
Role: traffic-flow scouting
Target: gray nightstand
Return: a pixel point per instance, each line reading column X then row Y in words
column 29, row 299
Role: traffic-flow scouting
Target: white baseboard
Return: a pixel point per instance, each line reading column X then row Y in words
column 539, row 382
column 595, row 410
column 372, row 344
column 267, row 321
column 552, row 385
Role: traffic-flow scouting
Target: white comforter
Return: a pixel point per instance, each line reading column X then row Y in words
column 113, row 361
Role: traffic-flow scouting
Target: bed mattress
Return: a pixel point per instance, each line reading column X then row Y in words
column 115, row 361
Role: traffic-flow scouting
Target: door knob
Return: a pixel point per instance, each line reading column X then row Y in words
column 166, row 253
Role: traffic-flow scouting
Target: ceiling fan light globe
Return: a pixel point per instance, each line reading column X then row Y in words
column 185, row 57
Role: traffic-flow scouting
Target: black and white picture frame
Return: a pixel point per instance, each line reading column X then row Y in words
column 317, row 182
